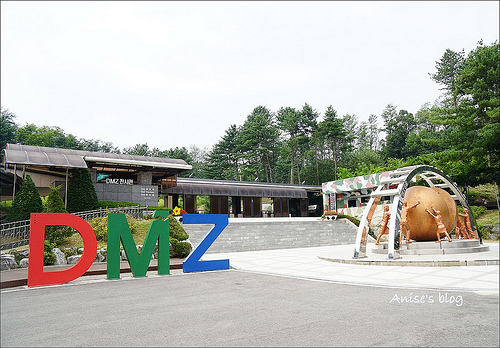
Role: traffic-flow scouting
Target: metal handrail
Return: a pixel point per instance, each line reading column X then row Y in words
column 17, row 233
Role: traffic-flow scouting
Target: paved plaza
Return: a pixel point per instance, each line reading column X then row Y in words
column 286, row 297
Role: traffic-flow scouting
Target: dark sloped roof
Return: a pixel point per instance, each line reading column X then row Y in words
column 237, row 188
column 234, row 190
column 56, row 157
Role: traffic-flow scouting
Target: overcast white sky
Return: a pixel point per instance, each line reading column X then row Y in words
column 180, row 73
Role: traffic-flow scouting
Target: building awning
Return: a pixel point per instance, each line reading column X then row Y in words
column 370, row 181
column 7, row 182
column 39, row 156
column 235, row 189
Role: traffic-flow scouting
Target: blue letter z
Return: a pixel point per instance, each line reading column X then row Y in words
column 192, row 262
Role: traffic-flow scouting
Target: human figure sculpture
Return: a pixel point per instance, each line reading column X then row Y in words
column 405, row 226
column 384, row 227
column 468, row 226
column 441, row 228
column 460, row 230
column 369, row 219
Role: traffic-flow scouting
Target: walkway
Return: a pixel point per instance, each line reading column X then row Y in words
column 335, row 264
column 331, row 264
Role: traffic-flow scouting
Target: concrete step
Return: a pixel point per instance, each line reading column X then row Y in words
column 460, row 243
column 265, row 234
column 464, row 246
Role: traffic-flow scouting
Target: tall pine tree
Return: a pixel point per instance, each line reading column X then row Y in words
column 26, row 201
column 81, row 191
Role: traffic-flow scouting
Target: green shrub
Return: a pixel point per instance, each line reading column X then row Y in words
column 484, row 231
column 482, row 192
column 26, row 201
column 68, row 253
column 49, row 258
column 56, row 234
column 350, row 218
column 100, row 227
column 114, row 204
column 16, row 254
column 48, row 246
column 176, row 230
column 181, row 249
column 477, row 211
column 169, row 210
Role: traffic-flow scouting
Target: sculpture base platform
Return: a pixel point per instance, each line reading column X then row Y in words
column 457, row 246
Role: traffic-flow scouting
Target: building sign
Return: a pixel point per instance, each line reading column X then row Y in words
column 147, row 191
column 119, row 181
column 119, row 231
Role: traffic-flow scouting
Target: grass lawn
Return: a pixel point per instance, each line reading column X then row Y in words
column 491, row 217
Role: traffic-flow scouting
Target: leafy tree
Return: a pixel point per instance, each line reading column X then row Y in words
column 138, row 149
column 81, row 191
column 97, row 146
column 56, row 234
column 8, row 129
column 362, row 161
column 472, row 144
column 332, row 129
column 373, row 133
column 30, row 134
column 223, row 160
column 427, row 136
column 26, row 201
column 197, row 156
column 447, row 72
column 177, row 152
column 257, row 143
column 297, row 126
column 289, row 121
column 398, row 127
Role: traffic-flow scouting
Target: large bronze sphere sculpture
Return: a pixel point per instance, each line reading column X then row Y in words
column 422, row 225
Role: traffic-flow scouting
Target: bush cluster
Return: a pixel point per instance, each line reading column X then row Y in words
column 56, row 234
column 477, row 211
column 48, row 256
column 181, row 249
column 100, row 227
column 113, row 204
column 176, row 230
column 178, row 235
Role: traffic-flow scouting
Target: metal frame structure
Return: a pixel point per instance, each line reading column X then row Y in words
column 402, row 177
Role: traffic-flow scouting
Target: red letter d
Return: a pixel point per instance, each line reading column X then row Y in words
column 36, row 275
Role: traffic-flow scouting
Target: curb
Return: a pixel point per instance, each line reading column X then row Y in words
column 415, row 263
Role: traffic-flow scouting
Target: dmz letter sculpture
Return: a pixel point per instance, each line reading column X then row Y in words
column 119, row 231
column 36, row 275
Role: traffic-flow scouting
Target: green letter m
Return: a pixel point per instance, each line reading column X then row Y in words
column 118, row 229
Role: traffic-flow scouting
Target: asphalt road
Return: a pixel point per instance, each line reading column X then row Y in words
column 235, row 308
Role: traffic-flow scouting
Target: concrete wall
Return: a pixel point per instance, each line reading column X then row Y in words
column 140, row 194
column 249, row 234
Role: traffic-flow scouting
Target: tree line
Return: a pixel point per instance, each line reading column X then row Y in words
column 459, row 134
